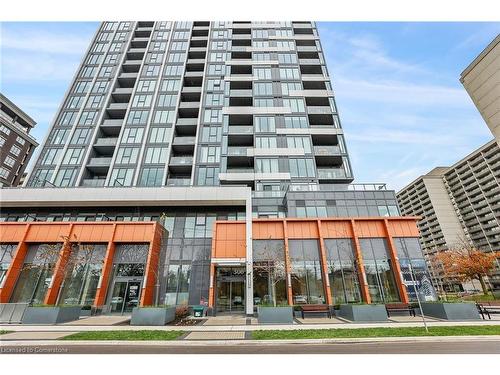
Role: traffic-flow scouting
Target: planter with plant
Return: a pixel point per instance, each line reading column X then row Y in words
column 152, row 315
column 455, row 310
column 51, row 314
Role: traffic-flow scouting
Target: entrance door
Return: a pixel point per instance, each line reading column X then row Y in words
column 125, row 296
column 230, row 295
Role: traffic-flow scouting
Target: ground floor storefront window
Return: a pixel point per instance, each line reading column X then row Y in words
column 306, row 273
column 342, row 271
column 6, row 256
column 36, row 274
column 269, row 273
column 378, row 269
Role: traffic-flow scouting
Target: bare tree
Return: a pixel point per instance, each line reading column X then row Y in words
column 270, row 261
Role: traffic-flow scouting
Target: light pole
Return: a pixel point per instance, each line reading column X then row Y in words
column 417, row 294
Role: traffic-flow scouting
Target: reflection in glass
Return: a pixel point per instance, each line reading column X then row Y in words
column 269, row 272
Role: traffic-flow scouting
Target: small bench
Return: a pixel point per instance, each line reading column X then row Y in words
column 393, row 307
column 322, row 309
column 488, row 308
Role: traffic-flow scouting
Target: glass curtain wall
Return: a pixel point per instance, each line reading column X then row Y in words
column 379, row 273
column 269, row 272
column 82, row 274
column 6, row 255
column 409, row 252
column 306, row 275
column 342, row 271
column 36, row 273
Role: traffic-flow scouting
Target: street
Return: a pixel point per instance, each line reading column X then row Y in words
column 449, row 347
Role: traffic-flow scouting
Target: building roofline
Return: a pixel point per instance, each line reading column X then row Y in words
column 483, row 53
column 471, row 154
column 407, row 186
column 29, row 121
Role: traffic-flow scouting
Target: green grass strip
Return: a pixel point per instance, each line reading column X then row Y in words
column 125, row 335
column 4, row 332
column 375, row 332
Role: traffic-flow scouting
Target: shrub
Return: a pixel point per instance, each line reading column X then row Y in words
column 181, row 312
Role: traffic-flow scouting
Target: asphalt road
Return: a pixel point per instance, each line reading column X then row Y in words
column 449, row 347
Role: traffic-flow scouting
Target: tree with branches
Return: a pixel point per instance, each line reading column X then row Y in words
column 465, row 262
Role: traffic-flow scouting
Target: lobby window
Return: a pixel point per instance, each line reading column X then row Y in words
column 342, row 271
column 36, row 273
column 152, row 177
column 306, row 274
column 83, row 274
column 378, row 270
column 410, row 252
column 269, row 272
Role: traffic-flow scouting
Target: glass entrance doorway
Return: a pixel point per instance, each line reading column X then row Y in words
column 230, row 295
column 125, row 296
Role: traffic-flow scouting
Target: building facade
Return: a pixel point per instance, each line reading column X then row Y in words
column 197, row 124
column 458, row 204
column 16, row 145
column 481, row 79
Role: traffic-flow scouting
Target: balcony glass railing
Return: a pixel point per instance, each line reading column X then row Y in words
column 237, row 151
column 331, row 173
column 326, row 150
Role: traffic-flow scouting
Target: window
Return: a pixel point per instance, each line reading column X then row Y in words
column 111, row 59
column 299, row 142
column 214, row 99
column 67, row 118
column 20, row 140
column 302, row 167
column 378, row 270
column 263, row 88
column 217, row 56
column 209, row 154
column 100, row 87
column 115, row 47
column 219, row 45
column 215, row 85
column 342, row 271
column 9, row 161
column 137, row 117
column 158, row 46
column 167, row 100
column 65, row 177
column 142, row 100
column 296, row 105
column 127, row 155
column 132, row 135
column 155, row 155
column 15, row 150
column 261, row 44
column 263, row 103
column 261, row 56
column 122, row 177
column 285, row 44
column 160, row 135
column 150, row 70
column 208, row 176
column 290, row 86
column 41, row 176
column 4, row 129
column 154, row 57
column 80, row 136
column 262, row 73
column 164, row 117
column 73, row 156
column 265, row 142
column 89, row 71
column 170, row 85
column 151, row 177
column 88, row 118
column 4, row 173
column 296, row 122
column 260, row 34
column 75, row 102
column 82, row 87
column 265, row 125
column 181, row 35
column 287, row 58
column 289, row 73
column 175, row 57
column 174, row 70
column 146, row 86
column 212, row 116
column 58, row 136
column 2, row 141
column 306, row 272
column 106, row 72
column 211, row 134
column 94, row 101
column 216, row 69
column 266, row 165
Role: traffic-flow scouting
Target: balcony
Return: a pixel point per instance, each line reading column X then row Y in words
column 117, row 110
column 186, row 126
column 327, row 150
column 111, row 127
column 180, row 164
column 183, row 144
column 93, row 182
column 105, row 145
column 99, row 165
column 331, row 174
column 178, row 181
column 241, row 93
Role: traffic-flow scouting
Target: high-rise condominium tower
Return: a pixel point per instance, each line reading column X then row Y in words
column 227, row 133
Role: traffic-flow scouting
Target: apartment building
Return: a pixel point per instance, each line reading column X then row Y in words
column 201, row 125
column 16, row 144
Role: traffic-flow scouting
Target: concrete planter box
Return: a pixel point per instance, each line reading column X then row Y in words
column 451, row 311
column 362, row 313
column 51, row 315
column 152, row 316
column 86, row 312
column 275, row 315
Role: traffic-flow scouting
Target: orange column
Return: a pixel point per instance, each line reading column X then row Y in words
column 59, row 270
column 15, row 268
column 287, row 265
column 152, row 271
column 211, row 293
column 395, row 265
column 361, row 268
column 322, row 252
column 107, row 268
